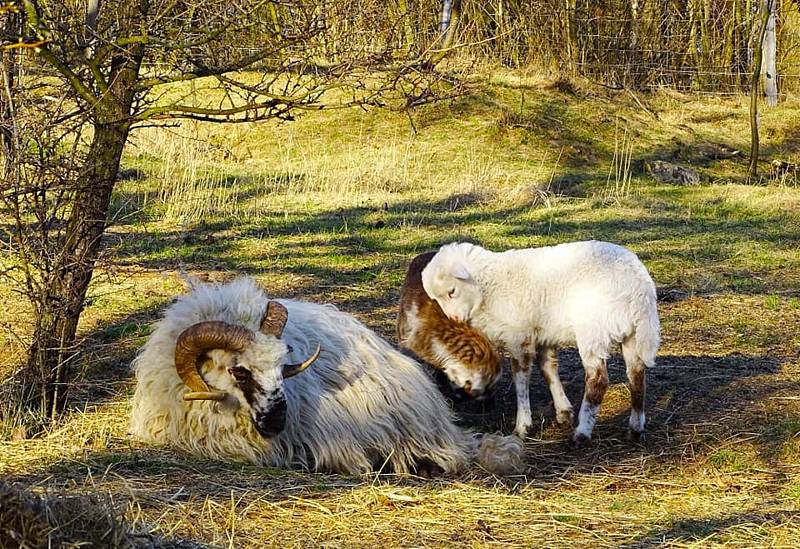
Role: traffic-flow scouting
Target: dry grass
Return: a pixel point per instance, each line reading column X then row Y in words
column 305, row 173
column 620, row 168
column 702, row 481
column 68, row 519
column 332, row 207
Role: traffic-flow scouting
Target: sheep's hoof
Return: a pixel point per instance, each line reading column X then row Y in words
column 579, row 440
column 565, row 417
column 636, row 437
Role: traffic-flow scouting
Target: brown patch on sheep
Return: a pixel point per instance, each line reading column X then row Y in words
column 636, row 378
column 547, row 355
column 547, row 358
column 596, row 384
column 462, row 342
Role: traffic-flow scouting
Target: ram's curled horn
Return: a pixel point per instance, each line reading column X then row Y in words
column 274, row 319
column 290, row 370
column 202, row 337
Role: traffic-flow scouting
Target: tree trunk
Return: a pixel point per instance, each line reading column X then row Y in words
column 570, row 41
column 444, row 21
column 634, row 76
column 53, row 350
column 51, row 356
column 752, row 173
column 500, row 39
column 8, row 65
column 409, row 36
column 768, row 65
column 448, row 24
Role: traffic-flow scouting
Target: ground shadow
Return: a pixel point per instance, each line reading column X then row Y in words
column 714, row 392
column 362, row 233
column 690, row 530
column 690, row 400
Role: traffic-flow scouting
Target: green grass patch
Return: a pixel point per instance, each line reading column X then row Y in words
column 730, row 460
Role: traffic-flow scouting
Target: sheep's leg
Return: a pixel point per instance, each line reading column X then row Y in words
column 636, row 383
column 548, row 364
column 596, row 376
column 521, row 372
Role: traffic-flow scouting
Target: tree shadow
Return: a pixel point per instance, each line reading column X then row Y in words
column 69, row 518
column 691, row 400
column 371, row 235
column 682, row 393
column 690, row 530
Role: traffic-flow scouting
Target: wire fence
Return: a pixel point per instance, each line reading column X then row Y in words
column 697, row 46
column 701, row 46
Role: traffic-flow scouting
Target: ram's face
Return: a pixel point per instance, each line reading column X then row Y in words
column 242, row 366
column 261, row 384
column 453, row 288
column 254, row 378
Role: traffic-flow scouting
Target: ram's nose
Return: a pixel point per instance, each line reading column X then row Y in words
column 272, row 422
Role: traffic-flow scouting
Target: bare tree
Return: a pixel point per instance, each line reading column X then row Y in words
column 99, row 69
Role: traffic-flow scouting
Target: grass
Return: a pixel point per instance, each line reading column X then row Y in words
column 333, row 206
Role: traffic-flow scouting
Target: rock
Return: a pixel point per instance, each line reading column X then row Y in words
column 666, row 172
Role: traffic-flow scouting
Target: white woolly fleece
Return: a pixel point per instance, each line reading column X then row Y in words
column 362, row 402
column 591, row 294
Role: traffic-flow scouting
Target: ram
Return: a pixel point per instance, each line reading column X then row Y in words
column 232, row 375
column 594, row 295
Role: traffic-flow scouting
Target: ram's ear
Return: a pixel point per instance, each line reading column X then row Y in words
column 460, row 272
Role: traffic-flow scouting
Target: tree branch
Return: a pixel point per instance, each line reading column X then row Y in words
column 216, row 115
column 35, row 23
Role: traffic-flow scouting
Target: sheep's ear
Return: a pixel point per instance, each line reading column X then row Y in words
column 274, row 319
column 460, row 272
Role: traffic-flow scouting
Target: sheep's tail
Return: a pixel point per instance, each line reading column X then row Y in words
column 648, row 331
column 501, row 455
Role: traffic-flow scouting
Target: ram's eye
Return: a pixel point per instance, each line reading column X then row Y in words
column 240, row 374
column 451, row 293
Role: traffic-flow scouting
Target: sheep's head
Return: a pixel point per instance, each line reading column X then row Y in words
column 470, row 362
column 448, row 280
column 247, row 366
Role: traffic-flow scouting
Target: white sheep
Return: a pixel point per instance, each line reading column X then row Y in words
column 595, row 295
column 214, row 378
